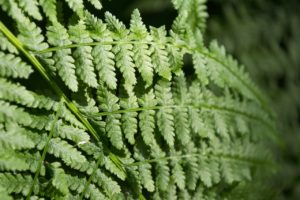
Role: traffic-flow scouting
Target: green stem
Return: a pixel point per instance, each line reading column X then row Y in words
column 91, row 177
column 71, row 46
column 38, row 66
column 49, row 79
column 37, row 173
column 207, row 154
column 259, row 97
column 199, row 106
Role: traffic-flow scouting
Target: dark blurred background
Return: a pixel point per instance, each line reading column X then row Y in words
column 264, row 35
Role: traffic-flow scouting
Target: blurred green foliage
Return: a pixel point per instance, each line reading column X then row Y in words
column 264, row 36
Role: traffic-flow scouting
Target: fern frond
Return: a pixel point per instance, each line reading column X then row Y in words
column 146, row 180
column 109, row 186
column 146, row 177
column 13, row 113
column 83, row 58
column 69, row 132
column 184, row 194
column 175, row 55
column 59, row 180
column 200, row 65
column 123, row 52
column 96, row 3
column 191, row 169
column 76, row 6
column 58, row 36
column 15, row 93
column 49, row 8
column 162, row 175
column 31, row 35
column 247, row 88
column 12, row 66
column 77, row 184
column 109, row 103
column 17, row 183
column 70, row 156
column 209, row 171
column 159, row 54
column 181, row 117
column 221, row 125
column 146, row 118
column 12, row 161
column 5, row 45
column 129, row 121
column 178, row 175
column 15, row 138
column 5, row 194
column 12, row 9
column 193, row 13
column 158, row 131
column 103, row 57
column 170, row 193
column 110, row 166
column 142, row 53
column 165, row 115
column 31, row 8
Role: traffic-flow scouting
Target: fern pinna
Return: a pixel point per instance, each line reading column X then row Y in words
column 91, row 109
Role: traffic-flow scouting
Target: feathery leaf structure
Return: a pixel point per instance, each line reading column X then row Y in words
column 131, row 123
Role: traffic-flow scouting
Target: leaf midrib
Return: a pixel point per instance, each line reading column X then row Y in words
column 259, row 97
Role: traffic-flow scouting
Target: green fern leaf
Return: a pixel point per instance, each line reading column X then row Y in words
column 123, row 53
column 163, row 175
column 141, row 51
column 12, row 161
column 12, row 66
column 181, row 116
column 221, row 125
column 109, row 103
column 96, row 4
column 6, row 45
column 191, row 169
column 129, row 121
column 58, row 36
column 201, row 68
column 165, row 114
column 76, row 5
column 73, row 134
column 4, row 193
column 60, row 179
column 77, row 184
column 146, row 178
column 31, row 35
column 109, row 186
column 70, row 156
column 49, row 7
column 31, row 8
column 12, row 113
column 15, row 138
column 146, row 118
column 15, row 92
column 102, row 54
column 16, row 183
column 159, row 54
column 178, row 176
column 83, row 58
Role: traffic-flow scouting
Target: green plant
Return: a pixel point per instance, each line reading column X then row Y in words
column 92, row 109
column 264, row 35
